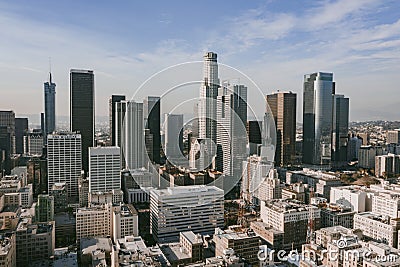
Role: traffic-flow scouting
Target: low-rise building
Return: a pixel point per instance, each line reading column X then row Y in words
column 8, row 250
column 125, row 221
column 196, row 208
column 93, row 221
column 292, row 218
column 378, row 228
column 245, row 244
column 60, row 193
column 132, row 250
column 35, row 242
column 334, row 215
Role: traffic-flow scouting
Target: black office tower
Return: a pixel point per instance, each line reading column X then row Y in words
column 152, row 122
column 82, row 109
column 21, row 129
column 111, row 110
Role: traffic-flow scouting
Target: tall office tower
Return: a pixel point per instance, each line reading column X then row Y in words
column 231, row 128
column 130, row 134
column 82, row 115
column 254, row 135
column 7, row 118
column 197, row 208
column 208, row 98
column 21, row 130
column 104, row 169
column 111, row 115
column 340, row 129
column 173, row 136
column 49, row 107
column 151, row 112
column 44, row 210
column 317, row 118
column 283, row 108
column 64, row 161
column 42, row 122
column 7, row 137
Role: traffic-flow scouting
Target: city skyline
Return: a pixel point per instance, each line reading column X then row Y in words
column 357, row 41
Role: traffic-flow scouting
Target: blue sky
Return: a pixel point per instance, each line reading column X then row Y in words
column 274, row 42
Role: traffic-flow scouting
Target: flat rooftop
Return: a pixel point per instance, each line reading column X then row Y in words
column 287, row 205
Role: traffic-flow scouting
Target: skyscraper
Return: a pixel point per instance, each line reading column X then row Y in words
column 231, row 128
column 21, row 130
column 7, row 135
column 111, row 111
column 254, row 135
column 64, row 161
column 173, row 136
column 283, row 108
column 82, row 114
column 152, row 110
column 208, row 98
column 340, row 129
column 104, row 169
column 130, row 134
column 49, row 106
column 319, row 88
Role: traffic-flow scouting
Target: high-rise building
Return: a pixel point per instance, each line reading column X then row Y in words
column 130, row 134
column 44, row 210
column 231, row 128
column 104, row 169
column 21, row 129
column 111, row 111
column 82, row 114
column 7, row 137
column 283, row 108
column 208, row 98
column 340, row 129
column 151, row 112
column 173, row 136
column 254, row 135
column 317, row 118
column 197, row 208
column 64, row 161
column 49, row 106
column 34, row 143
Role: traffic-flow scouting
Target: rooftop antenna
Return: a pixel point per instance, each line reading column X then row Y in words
column 50, row 69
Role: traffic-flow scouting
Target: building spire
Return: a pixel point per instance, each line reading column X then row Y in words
column 50, row 80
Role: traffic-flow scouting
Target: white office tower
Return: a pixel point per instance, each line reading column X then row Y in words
column 202, row 154
column 208, row 98
column 104, row 169
column 130, row 134
column 231, row 128
column 256, row 172
column 64, row 161
column 174, row 136
column 197, row 208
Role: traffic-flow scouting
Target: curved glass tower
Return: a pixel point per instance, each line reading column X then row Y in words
column 319, row 89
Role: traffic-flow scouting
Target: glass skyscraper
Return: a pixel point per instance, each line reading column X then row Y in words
column 319, row 89
column 82, row 110
column 49, row 106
